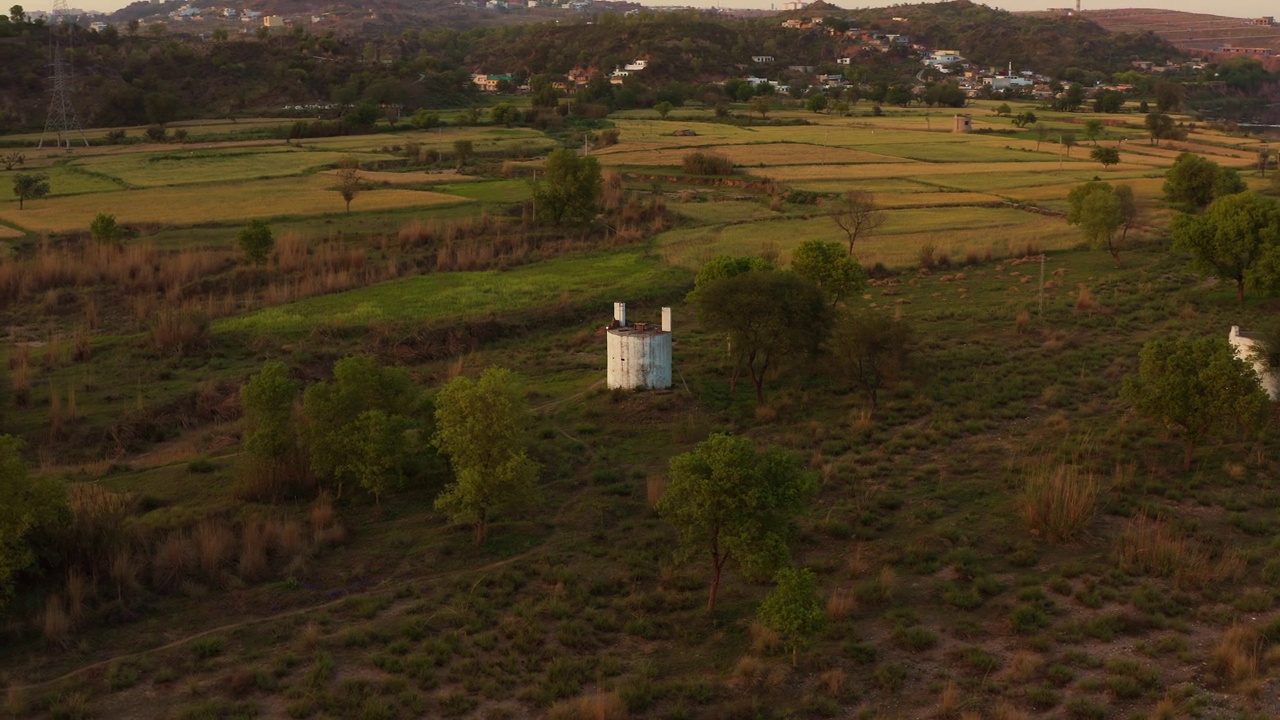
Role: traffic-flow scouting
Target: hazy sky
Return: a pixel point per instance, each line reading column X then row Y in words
column 1240, row 8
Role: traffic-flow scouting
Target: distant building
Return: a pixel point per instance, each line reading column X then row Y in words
column 761, row 59
column 1265, row 20
column 489, row 83
column 963, row 124
column 1232, row 50
column 273, row 21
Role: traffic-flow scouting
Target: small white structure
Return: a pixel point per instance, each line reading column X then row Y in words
column 1247, row 347
column 639, row 353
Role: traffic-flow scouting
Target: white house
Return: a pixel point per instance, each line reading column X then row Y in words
column 761, row 59
column 636, row 65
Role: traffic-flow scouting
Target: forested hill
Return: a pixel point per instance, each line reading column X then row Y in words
column 995, row 37
column 120, row 73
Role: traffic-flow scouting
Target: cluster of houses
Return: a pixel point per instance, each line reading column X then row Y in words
column 579, row 5
column 577, row 77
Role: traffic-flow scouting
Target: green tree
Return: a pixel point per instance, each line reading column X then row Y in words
column 1100, row 210
column 1042, row 133
column 464, row 149
column 1024, row 119
column 29, row 507
column 377, row 452
column 770, row 317
column 871, row 349
column 816, row 103
column 1093, row 130
column 425, row 119
column 761, row 104
column 483, row 427
column 721, row 267
column 268, row 400
column 1192, row 182
column 1004, row 110
column 1108, row 156
column 30, row 187
column 11, row 160
column 664, row 108
column 1169, row 96
column 828, row 266
column 505, row 113
column 256, row 242
column 793, row 609
column 162, row 107
column 1161, row 127
column 1108, row 101
column 729, row 501
column 1197, row 388
column 343, row 440
column 1231, row 238
column 348, row 174
column 569, row 190
column 273, row 462
column 1068, row 140
column 105, row 231
column 17, row 15
column 857, row 215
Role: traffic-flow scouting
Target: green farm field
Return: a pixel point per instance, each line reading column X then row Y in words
column 938, row 594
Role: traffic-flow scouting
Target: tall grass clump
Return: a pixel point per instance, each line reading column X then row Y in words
column 595, row 706
column 1148, row 546
column 1057, row 502
column 1238, row 662
column 180, row 332
column 705, row 163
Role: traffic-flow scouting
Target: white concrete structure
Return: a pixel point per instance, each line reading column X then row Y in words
column 639, row 353
column 962, row 124
column 1247, row 347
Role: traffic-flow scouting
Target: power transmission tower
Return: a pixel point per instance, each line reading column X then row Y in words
column 61, row 120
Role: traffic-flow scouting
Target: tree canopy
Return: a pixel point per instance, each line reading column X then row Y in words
column 30, row 187
column 1100, row 210
column 483, row 427
column 793, row 609
column 1232, row 240
column 1192, row 182
column 770, row 317
column 833, row 270
column 733, row 502
column 1197, row 388
column 569, row 190
column 28, row 507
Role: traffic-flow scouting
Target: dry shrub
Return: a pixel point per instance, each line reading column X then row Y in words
column 611, row 193
column 1085, row 301
column 1237, row 661
column 214, row 545
column 78, row 590
column 763, row 639
column 325, row 527
column 180, row 332
column 124, row 568
column 20, row 378
column 841, row 603
column 949, row 700
column 15, row 701
column 706, row 163
column 175, row 556
column 753, row 675
column 99, row 525
column 886, row 583
column 238, row 683
column 926, row 255
column 1152, row 547
column 271, row 480
column 288, row 537
column 857, row 564
column 766, row 414
column 55, row 622
column 831, row 682
column 1022, row 321
column 1023, row 667
column 290, row 253
column 83, row 349
column 1005, row 711
column 254, row 544
column 594, row 706
column 55, row 413
column 1057, row 502
column 655, row 487
column 1166, row 709
column 861, row 421
column 310, row 636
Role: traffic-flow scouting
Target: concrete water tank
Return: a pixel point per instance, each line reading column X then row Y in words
column 1248, row 347
column 639, row 353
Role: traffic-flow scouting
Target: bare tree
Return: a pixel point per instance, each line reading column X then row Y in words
column 349, row 180
column 857, row 215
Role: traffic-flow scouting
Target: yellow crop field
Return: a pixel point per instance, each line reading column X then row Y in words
column 224, row 203
column 183, row 166
column 771, row 154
